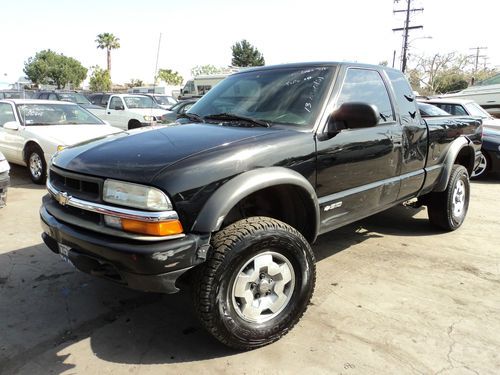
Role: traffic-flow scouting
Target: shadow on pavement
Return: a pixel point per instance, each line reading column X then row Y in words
column 19, row 176
column 52, row 306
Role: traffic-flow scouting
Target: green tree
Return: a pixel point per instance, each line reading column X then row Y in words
column 135, row 83
column 444, row 72
column 170, row 77
column 99, row 80
column 206, row 69
column 48, row 67
column 37, row 67
column 244, row 54
column 108, row 42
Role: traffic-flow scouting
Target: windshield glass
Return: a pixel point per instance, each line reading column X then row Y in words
column 140, row 102
column 429, row 110
column 165, row 100
column 56, row 114
column 475, row 110
column 74, row 97
column 291, row 96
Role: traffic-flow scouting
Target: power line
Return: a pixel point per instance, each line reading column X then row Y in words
column 478, row 49
column 406, row 28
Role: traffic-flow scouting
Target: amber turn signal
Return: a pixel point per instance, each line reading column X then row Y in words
column 161, row 228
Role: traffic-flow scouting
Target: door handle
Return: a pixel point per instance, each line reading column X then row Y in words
column 109, row 113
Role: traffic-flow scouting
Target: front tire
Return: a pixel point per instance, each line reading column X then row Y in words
column 447, row 209
column 133, row 124
column 256, row 283
column 37, row 167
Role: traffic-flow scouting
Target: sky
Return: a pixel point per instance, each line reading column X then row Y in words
column 196, row 32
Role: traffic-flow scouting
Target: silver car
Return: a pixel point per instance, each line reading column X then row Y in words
column 4, row 179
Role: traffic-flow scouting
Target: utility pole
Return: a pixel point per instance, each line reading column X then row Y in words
column 478, row 56
column 406, row 29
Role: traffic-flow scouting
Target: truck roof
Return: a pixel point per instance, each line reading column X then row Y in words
column 306, row 65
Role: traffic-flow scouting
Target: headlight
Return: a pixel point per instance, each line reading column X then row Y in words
column 4, row 166
column 135, row 195
column 149, row 118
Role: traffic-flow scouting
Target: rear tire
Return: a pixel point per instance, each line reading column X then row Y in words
column 447, row 209
column 37, row 168
column 256, row 283
column 482, row 168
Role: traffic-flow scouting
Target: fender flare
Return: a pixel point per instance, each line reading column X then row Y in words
column 228, row 195
column 455, row 148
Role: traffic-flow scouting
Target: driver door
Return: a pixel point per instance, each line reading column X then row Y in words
column 116, row 113
column 357, row 169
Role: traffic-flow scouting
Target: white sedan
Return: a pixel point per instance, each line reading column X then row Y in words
column 31, row 131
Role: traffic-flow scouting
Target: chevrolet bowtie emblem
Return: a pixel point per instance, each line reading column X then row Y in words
column 63, row 198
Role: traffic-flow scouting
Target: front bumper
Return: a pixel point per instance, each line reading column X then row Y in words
column 147, row 266
column 4, row 184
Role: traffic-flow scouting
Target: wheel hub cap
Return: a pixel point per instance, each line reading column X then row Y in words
column 35, row 165
column 459, row 199
column 481, row 168
column 263, row 287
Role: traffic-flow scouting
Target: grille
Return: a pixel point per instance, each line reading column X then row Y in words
column 78, row 186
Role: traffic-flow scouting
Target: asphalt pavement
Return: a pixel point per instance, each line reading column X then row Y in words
column 393, row 296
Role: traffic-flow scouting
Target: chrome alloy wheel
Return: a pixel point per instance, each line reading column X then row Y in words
column 481, row 168
column 36, row 166
column 458, row 200
column 263, row 287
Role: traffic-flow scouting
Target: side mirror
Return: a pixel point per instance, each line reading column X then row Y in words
column 119, row 107
column 353, row 115
column 11, row 125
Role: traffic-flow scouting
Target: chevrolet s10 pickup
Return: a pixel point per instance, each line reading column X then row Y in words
column 230, row 199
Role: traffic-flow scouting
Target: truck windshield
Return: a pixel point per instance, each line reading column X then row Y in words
column 74, row 97
column 290, row 96
column 140, row 102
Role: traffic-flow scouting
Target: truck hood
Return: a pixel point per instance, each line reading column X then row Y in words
column 68, row 135
column 140, row 154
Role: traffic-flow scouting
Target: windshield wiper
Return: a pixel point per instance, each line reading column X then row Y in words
column 191, row 116
column 233, row 117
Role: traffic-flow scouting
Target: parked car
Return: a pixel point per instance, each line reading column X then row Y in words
column 272, row 158
column 32, row 131
column 4, row 179
column 178, row 109
column 164, row 101
column 429, row 110
column 100, row 99
column 67, row 96
column 464, row 107
column 16, row 94
column 490, row 154
column 489, row 148
column 130, row 111
column 485, row 93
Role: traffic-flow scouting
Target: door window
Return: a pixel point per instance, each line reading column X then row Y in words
column 404, row 97
column 367, row 86
column 116, row 103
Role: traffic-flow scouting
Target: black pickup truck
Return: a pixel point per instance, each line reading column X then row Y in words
column 232, row 197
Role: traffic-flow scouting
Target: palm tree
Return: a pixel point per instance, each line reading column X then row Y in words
column 108, row 41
